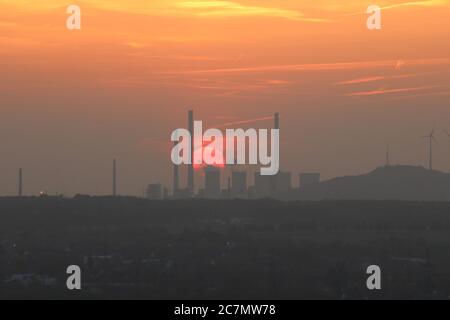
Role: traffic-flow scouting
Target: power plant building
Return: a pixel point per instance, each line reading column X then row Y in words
column 308, row 179
column 212, row 183
column 264, row 185
column 283, row 182
column 239, row 184
column 154, row 191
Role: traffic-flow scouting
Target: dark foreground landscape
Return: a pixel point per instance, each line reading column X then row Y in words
column 200, row 249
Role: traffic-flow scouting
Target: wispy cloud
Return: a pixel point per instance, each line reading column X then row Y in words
column 359, row 80
column 240, row 122
column 376, row 78
column 388, row 91
column 235, row 9
column 317, row 66
column 422, row 3
column 198, row 8
column 419, row 3
column 195, row 58
column 423, row 94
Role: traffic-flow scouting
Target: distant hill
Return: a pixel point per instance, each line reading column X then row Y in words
column 407, row 183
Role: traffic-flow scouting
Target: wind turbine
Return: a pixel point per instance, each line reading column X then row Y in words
column 448, row 134
column 431, row 138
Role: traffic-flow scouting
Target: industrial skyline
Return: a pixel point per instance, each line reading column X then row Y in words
column 224, row 149
column 236, row 178
column 71, row 101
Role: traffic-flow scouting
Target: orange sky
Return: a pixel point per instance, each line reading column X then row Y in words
column 72, row 100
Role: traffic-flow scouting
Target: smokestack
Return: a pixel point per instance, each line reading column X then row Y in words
column 114, row 177
column 176, row 178
column 191, row 166
column 20, row 182
column 277, row 121
column 388, row 161
column 273, row 181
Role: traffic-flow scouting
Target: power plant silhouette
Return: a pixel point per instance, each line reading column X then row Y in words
column 20, row 183
column 265, row 186
column 114, row 186
column 191, row 166
column 238, row 186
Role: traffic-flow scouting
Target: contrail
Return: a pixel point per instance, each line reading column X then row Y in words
column 242, row 122
column 337, row 66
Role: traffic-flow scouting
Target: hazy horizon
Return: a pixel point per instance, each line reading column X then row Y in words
column 72, row 101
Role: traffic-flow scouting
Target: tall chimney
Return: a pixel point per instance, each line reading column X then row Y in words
column 114, row 177
column 176, row 178
column 273, row 181
column 20, row 182
column 191, row 166
column 388, row 160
